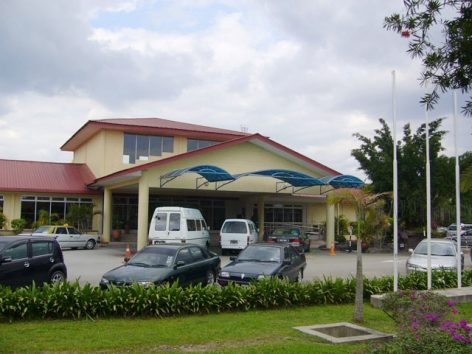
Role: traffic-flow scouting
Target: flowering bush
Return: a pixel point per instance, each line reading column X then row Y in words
column 427, row 323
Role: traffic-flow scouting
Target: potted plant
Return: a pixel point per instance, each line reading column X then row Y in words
column 116, row 229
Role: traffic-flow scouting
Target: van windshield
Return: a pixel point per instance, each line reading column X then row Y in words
column 235, row 227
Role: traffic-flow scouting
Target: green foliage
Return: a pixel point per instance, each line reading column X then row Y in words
column 80, row 216
column 3, row 219
column 71, row 301
column 18, row 225
column 447, row 60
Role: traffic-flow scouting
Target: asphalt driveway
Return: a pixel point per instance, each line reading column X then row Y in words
column 89, row 266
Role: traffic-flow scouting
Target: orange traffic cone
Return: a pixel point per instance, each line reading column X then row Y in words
column 331, row 250
column 127, row 253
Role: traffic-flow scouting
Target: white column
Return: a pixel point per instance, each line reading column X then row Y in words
column 107, row 210
column 260, row 216
column 143, row 211
column 329, row 224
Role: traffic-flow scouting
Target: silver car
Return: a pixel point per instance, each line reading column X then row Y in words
column 67, row 236
column 443, row 256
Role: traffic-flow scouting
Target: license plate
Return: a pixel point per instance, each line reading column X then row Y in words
column 234, row 242
column 282, row 240
column 158, row 242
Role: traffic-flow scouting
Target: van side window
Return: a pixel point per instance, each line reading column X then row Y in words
column 161, row 222
column 199, row 225
column 204, row 225
column 251, row 228
column 191, row 226
column 174, row 222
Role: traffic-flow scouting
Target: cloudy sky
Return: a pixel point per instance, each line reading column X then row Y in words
column 306, row 73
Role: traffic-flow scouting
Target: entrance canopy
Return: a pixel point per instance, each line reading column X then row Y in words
column 288, row 178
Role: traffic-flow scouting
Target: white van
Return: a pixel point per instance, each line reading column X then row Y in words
column 176, row 224
column 236, row 234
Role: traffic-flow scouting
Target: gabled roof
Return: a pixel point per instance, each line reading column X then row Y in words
column 148, row 126
column 256, row 139
column 45, row 177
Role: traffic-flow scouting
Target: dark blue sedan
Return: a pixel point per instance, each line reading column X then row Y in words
column 186, row 263
column 264, row 260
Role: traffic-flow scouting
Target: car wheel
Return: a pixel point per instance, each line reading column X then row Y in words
column 57, row 276
column 210, row 277
column 90, row 245
column 299, row 276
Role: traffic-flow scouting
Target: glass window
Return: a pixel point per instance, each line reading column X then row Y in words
column 184, row 255
column 197, row 253
column 73, row 231
column 142, row 147
column 161, row 222
column 41, row 248
column 199, row 225
column 194, row 144
column 174, row 222
column 168, row 144
column 17, row 252
column 191, row 225
column 155, row 145
column 61, row 231
column 235, row 227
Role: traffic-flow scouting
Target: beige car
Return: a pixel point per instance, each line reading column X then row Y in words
column 67, row 236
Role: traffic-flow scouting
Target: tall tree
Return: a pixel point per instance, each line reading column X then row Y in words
column 375, row 157
column 447, row 58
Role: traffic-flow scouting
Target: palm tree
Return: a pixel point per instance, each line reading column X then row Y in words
column 370, row 219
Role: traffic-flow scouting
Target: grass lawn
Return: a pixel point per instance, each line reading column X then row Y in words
column 243, row 332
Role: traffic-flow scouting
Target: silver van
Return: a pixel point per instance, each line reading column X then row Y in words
column 236, row 234
column 181, row 225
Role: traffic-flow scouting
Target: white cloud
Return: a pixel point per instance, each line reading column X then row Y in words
column 308, row 74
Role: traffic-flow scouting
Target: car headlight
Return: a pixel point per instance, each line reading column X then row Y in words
column 104, row 281
column 224, row 274
column 261, row 276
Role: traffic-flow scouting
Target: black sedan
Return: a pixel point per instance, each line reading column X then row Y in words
column 263, row 260
column 157, row 264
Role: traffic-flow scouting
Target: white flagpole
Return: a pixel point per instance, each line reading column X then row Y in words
column 458, row 200
column 428, row 200
column 395, row 188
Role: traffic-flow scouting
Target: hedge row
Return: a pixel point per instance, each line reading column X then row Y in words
column 72, row 301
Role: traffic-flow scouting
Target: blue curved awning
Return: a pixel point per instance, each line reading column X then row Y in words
column 209, row 172
column 296, row 179
column 343, row 181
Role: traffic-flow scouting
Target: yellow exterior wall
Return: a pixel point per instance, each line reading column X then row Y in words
column 103, row 153
column 236, row 159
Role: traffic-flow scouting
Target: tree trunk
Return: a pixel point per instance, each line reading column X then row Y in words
column 359, row 301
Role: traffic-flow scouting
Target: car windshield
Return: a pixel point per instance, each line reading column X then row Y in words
column 260, row 254
column 437, row 249
column 153, row 257
column 42, row 230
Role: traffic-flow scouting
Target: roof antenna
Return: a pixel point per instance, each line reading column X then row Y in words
column 244, row 129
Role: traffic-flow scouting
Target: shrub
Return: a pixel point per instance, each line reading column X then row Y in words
column 3, row 219
column 18, row 225
column 425, row 326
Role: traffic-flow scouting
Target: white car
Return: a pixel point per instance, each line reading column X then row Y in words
column 67, row 236
column 443, row 256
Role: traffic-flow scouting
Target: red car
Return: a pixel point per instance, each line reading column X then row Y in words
column 292, row 236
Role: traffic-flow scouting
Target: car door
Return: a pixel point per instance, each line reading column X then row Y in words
column 14, row 269
column 200, row 263
column 62, row 236
column 184, row 271
column 290, row 269
column 75, row 237
column 42, row 258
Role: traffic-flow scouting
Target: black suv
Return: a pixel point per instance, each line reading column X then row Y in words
column 24, row 259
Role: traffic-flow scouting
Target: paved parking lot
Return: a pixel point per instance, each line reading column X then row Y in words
column 89, row 266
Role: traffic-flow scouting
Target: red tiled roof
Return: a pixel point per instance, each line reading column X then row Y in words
column 45, row 177
column 149, row 126
column 270, row 144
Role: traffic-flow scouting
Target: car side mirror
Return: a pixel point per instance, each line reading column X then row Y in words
column 410, row 250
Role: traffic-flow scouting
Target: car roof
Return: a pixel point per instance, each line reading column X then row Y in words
column 173, row 245
column 269, row 244
column 10, row 239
